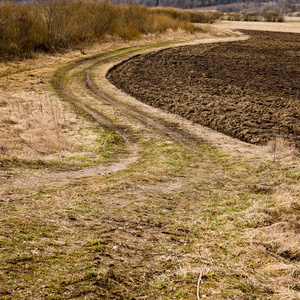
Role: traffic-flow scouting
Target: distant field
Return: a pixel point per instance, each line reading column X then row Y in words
column 292, row 19
column 280, row 27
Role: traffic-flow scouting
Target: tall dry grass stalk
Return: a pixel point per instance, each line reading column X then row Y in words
column 55, row 25
column 282, row 149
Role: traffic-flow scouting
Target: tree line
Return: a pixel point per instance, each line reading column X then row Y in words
column 191, row 4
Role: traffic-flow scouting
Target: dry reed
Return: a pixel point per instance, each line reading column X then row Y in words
column 57, row 25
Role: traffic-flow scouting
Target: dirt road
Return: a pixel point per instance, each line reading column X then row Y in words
column 84, row 86
column 181, row 210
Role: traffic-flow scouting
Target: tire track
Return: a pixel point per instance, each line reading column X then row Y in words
column 92, row 101
column 161, row 125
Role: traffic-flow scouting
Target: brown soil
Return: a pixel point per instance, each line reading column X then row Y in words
column 246, row 89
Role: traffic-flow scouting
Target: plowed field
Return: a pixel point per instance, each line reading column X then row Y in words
column 246, row 89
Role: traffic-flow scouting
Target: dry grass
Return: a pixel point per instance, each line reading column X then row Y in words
column 280, row 27
column 35, row 124
column 54, row 26
column 30, row 128
column 149, row 230
column 282, row 150
column 276, row 233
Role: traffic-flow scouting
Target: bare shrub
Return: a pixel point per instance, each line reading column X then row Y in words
column 172, row 12
column 188, row 15
column 273, row 16
column 132, row 17
column 252, row 16
column 281, row 18
column 234, row 17
column 204, row 17
column 212, row 15
column 160, row 23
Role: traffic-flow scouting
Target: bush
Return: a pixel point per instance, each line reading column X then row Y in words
column 271, row 16
column 161, row 23
column 204, row 17
column 172, row 12
column 133, row 17
column 234, row 17
column 213, row 15
column 252, row 16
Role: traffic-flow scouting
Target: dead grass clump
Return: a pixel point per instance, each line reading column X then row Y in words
column 258, row 218
column 281, row 149
column 288, row 200
column 3, row 103
column 261, row 214
column 29, row 128
column 281, row 269
column 9, row 121
column 281, row 249
column 281, row 238
column 275, row 238
column 284, row 278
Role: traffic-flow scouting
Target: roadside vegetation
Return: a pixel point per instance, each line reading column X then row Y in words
column 57, row 25
column 192, row 16
column 255, row 16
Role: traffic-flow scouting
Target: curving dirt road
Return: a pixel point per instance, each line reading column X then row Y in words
column 83, row 84
column 181, row 212
column 118, row 111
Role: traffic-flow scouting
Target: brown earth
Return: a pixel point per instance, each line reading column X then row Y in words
column 246, row 89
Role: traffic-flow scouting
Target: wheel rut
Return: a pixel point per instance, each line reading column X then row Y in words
column 84, row 86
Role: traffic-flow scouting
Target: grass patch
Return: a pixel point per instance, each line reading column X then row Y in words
column 105, row 146
column 168, row 218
